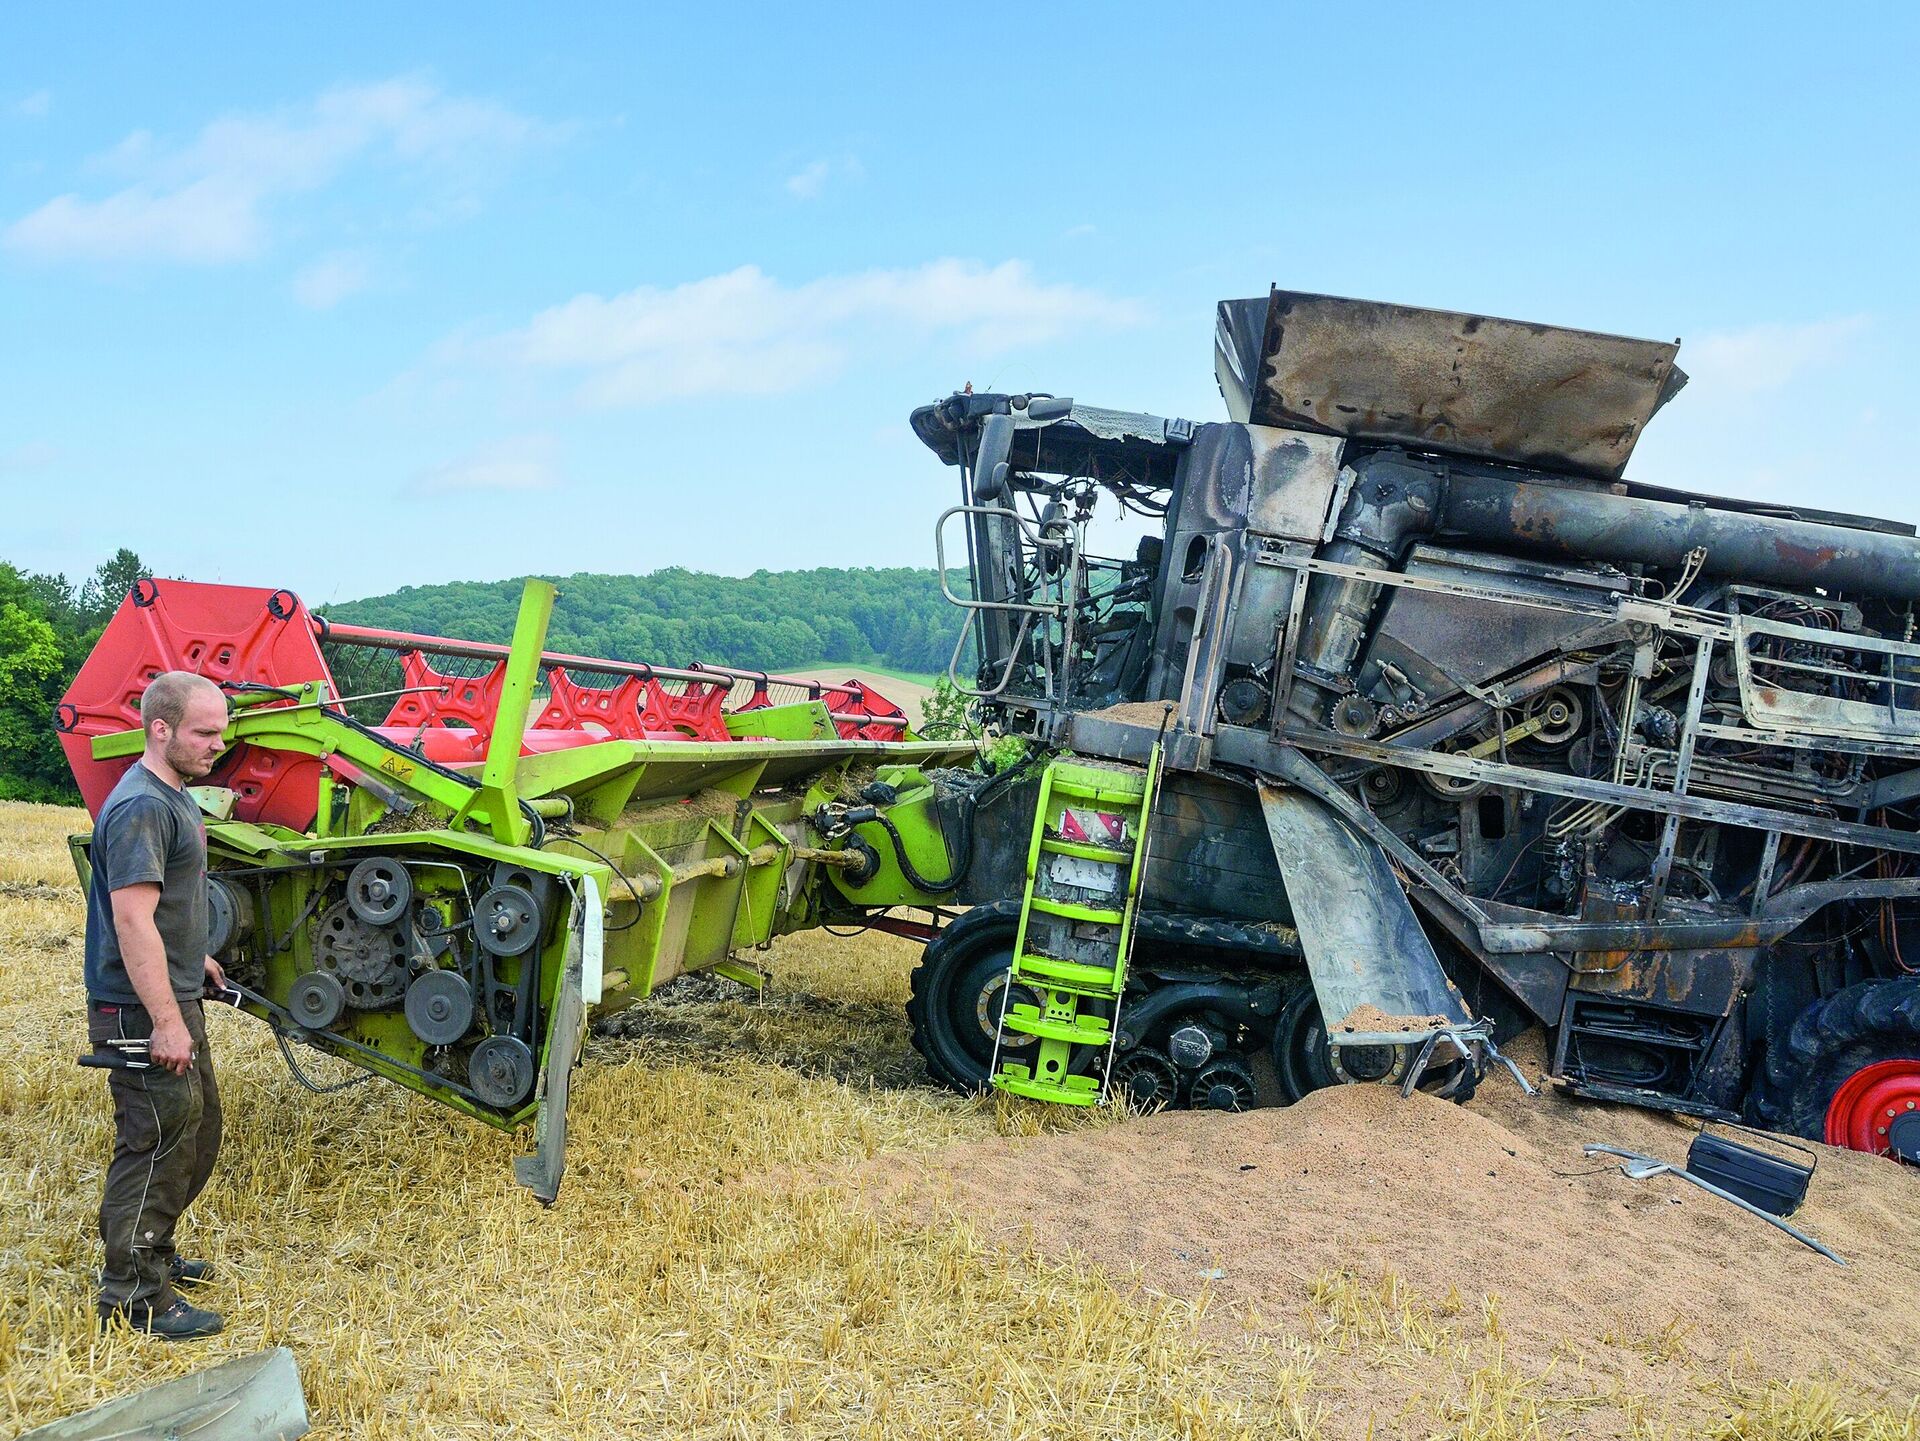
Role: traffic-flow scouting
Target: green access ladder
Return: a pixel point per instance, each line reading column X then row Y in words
column 1076, row 927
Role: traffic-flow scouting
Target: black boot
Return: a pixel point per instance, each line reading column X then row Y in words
column 183, row 1272
column 178, row 1322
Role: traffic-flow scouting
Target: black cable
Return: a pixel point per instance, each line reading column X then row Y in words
column 964, row 862
column 293, row 1069
column 639, row 905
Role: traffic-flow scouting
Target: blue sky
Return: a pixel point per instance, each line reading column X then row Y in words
column 362, row 297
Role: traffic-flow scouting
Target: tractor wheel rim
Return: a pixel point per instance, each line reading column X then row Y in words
column 1869, row 1101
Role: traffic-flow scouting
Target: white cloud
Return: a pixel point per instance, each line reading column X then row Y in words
column 523, row 462
column 34, row 106
column 205, row 222
column 743, row 332
column 331, row 279
column 206, row 202
column 807, row 184
column 1741, row 426
column 810, row 181
column 1766, row 357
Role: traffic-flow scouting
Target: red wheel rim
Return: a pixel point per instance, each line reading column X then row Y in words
column 1869, row 1102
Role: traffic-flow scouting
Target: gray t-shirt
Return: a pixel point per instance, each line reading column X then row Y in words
column 148, row 831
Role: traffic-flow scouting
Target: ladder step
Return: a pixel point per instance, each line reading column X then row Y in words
column 1096, row 914
column 1118, row 797
column 1067, row 1091
column 1080, row 1031
column 1067, row 975
column 1087, row 851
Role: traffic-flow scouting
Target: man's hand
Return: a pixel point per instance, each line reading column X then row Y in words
column 216, row 978
column 172, row 1047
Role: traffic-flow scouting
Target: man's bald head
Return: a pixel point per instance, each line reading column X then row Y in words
column 185, row 717
column 168, row 695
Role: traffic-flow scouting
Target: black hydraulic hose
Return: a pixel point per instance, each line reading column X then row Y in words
column 913, row 877
column 1228, row 996
column 972, row 802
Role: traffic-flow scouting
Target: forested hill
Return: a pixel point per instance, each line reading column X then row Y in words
column 770, row 620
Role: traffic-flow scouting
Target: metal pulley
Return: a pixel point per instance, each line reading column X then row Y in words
column 316, row 1000
column 439, row 1007
column 369, row 960
column 500, row 1071
column 229, row 915
column 379, row 890
column 506, row 920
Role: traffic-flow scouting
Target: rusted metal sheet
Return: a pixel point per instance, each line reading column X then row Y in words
column 1570, row 400
column 1373, row 968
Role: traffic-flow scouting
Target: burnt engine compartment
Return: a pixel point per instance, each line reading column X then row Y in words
column 1644, row 760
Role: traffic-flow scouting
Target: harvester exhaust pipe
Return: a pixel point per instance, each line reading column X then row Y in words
column 1571, row 523
column 1398, row 500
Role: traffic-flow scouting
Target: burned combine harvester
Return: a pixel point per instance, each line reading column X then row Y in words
column 1462, row 732
column 1408, row 723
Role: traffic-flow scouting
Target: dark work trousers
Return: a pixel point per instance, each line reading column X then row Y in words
column 166, row 1132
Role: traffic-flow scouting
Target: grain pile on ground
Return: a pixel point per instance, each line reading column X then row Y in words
column 1136, row 713
column 1450, row 1216
column 713, row 1271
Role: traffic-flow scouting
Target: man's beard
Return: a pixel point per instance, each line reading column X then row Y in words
column 186, row 763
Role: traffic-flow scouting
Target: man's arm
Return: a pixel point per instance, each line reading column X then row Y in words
column 145, row 956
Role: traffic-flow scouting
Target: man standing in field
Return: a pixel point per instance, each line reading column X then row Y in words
column 147, row 967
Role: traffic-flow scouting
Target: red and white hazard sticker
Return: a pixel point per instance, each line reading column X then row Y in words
column 1096, row 828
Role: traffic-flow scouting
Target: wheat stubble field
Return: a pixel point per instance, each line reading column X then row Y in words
column 773, row 1225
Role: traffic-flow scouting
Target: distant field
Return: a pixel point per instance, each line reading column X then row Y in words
column 905, row 689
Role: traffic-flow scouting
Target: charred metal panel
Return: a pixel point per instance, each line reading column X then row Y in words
column 1373, row 968
column 1210, row 854
column 1471, row 384
column 1266, row 592
column 1437, row 641
column 1239, row 328
column 1209, row 513
column 1057, row 436
column 1294, row 476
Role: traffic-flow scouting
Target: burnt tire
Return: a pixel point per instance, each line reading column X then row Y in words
column 1305, row 1062
column 954, row 1007
column 1831, row 1041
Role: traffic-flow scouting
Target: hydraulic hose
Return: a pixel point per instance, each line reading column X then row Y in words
column 970, row 804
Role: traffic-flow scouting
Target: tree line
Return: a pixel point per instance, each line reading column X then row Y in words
column 47, row 626
column 771, row 620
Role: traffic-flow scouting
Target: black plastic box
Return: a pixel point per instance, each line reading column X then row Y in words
column 1776, row 1184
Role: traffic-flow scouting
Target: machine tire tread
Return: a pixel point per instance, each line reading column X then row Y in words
column 925, row 1015
column 1829, row 1041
